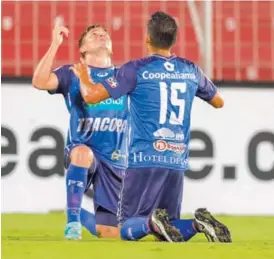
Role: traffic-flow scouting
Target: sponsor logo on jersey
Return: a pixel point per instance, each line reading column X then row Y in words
column 162, row 145
column 112, row 82
column 109, row 104
column 165, row 133
column 140, row 157
column 116, row 155
column 102, row 124
column 162, row 76
column 169, row 66
column 103, row 74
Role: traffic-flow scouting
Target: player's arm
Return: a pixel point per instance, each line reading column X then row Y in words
column 92, row 93
column 43, row 78
column 207, row 91
column 124, row 83
column 217, row 101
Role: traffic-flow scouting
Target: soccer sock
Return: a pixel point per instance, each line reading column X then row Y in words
column 88, row 220
column 135, row 228
column 76, row 181
column 186, row 227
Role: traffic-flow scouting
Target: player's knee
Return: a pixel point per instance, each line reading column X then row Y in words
column 124, row 231
column 107, row 231
column 81, row 156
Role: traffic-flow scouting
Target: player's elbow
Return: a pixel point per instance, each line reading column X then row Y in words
column 37, row 83
column 37, row 86
column 219, row 104
column 217, row 101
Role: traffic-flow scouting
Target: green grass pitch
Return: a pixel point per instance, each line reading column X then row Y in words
column 30, row 236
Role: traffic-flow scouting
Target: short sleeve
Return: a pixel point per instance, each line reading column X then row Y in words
column 206, row 88
column 124, row 82
column 64, row 76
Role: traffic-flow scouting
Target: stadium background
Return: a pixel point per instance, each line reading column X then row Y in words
column 243, row 35
column 232, row 149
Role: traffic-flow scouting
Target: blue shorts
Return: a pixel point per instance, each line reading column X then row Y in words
column 145, row 189
column 107, row 182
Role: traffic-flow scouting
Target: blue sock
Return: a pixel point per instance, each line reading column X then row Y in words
column 88, row 220
column 186, row 227
column 135, row 228
column 76, row 181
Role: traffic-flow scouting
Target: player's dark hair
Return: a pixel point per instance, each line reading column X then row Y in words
column 162, row 29
column 81, row 40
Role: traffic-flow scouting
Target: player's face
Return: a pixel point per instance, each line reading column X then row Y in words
column 96, row 39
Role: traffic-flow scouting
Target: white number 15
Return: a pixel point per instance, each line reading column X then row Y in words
column 175, row 101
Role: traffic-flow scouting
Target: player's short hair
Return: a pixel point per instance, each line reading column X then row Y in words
column 83, row 35
column 162, row 29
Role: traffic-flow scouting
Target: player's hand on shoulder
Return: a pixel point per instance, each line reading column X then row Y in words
column 58, row 34
column 82, row 71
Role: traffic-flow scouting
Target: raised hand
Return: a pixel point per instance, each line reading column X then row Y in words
column 58, row 34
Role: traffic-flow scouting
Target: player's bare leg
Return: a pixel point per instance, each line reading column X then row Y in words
column 214, row 230
column 107, row 231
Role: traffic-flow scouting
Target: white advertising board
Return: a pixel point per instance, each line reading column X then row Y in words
column 232, row 158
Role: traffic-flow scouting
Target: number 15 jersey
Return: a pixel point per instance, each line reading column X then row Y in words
column 161, row 92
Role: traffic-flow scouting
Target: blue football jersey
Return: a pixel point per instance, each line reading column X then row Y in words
column 160, row 96
column 101, row 126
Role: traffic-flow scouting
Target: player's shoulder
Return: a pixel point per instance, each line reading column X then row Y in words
column 64, row 68
column 137, row 63
column 145, row 60
column 64, row 75
column 187, row 62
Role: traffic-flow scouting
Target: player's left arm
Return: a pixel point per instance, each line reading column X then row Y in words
column 207, row 90
column 92, row 93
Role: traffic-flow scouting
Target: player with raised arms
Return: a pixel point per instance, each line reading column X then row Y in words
column 94, row 151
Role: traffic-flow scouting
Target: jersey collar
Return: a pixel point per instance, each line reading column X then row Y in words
column 102, row 68
column 163, row 57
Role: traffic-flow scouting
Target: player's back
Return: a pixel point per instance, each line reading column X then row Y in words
column 159, row 112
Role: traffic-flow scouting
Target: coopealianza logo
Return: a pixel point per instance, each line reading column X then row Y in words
column 161, row 146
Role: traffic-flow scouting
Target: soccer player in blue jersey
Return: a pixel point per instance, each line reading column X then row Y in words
column 160, row 89
column 94, row 151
